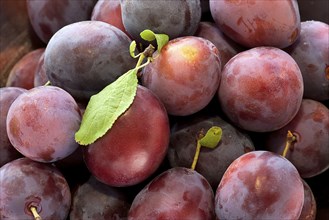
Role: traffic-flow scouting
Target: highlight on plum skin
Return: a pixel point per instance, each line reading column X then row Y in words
column 311, row 52
column 41, row 123
column 135, row 146
column 185, row 75
column 25, row 184
column 261, row 89
column 260, row 185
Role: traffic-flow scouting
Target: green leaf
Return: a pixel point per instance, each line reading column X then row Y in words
column 132, row 48
column 105, row 107
column 161, row 39
column 212, row 137
column 147, row 35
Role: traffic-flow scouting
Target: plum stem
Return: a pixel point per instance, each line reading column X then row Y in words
column 147, row 53
column 196, row 155
column 291, row 138
column 35, row 213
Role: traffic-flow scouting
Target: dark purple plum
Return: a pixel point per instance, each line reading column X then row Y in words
column 212, row 163
column 84, row 57
column 96, row 200
column 175, row 18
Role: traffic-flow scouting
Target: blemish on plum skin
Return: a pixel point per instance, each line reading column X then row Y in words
column 294, row 35
column 327, row 71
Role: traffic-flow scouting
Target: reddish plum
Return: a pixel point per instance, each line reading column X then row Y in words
column 261, row 89
column 178, row 193
column 260, row 185
column 109, row 12
column 185, row 75
column 258, row 22
column 22, row 74
column 135, row 146
column 48, row 16
column 25, row 184
column 41, row 123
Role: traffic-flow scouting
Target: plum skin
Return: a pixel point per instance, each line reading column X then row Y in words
column 261, row 89
column 184, row 75
column 132, row 149
column 260, row 185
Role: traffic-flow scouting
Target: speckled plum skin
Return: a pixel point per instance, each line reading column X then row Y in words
column 310, row 153
column 185, row 75
column 178, row 193
column 175, row 18
column 8, row 96
column 135, row 146
column 261, row 89
column 257, row 22
column 41, row 123
column 95, row 200
column 311, row 52
column 212, row 163
column 48, row 16
column 86, row 56
column 25, row 183
column 22, row 74
column 260, row 185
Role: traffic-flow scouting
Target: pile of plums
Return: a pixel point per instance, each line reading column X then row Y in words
column 257, row 69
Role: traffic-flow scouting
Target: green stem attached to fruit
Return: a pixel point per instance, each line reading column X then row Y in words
column 209, row 140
